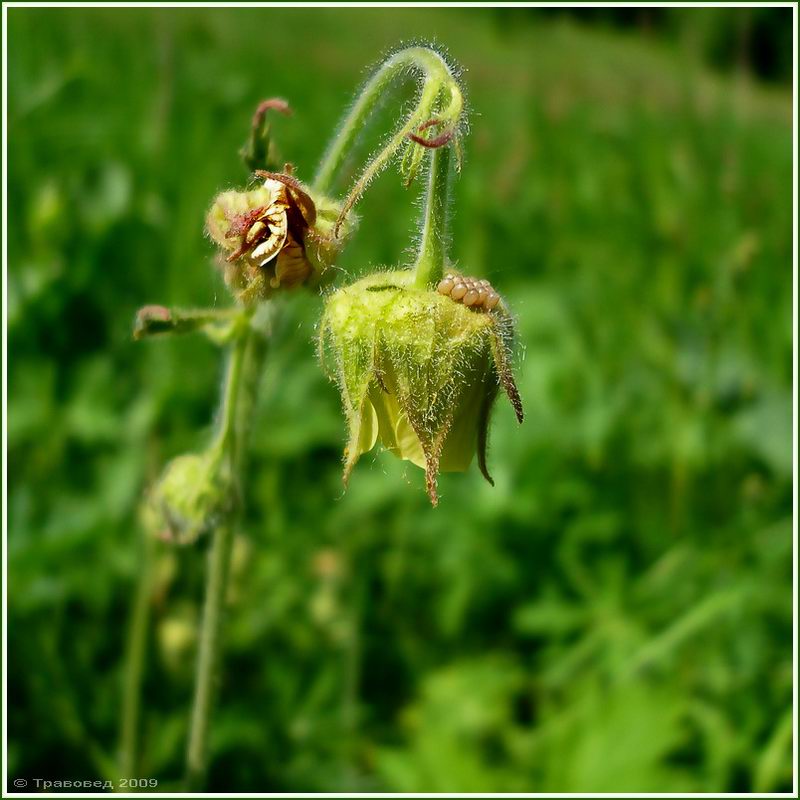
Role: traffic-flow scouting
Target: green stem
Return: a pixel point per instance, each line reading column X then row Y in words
column 134, row 663
column 226, row 438
column 352, row 667
column 433, row 245
column 438, row 80
column 239, row 397
column 208, row 655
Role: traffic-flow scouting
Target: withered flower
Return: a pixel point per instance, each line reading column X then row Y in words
column 275, row 236
column 418, row 370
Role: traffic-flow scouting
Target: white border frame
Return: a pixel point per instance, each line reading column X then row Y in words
column 479, row 4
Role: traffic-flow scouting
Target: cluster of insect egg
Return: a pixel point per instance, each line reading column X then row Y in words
column 469, row 291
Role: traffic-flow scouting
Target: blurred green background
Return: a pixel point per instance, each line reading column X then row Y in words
column 615, row 615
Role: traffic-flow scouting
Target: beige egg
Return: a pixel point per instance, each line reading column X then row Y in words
column 445, row 286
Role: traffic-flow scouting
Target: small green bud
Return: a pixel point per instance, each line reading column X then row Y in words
column 176, row 635
column 189, row 500
column 417, row 370
column 275, row 236
column 259, row 152
column 220, row 326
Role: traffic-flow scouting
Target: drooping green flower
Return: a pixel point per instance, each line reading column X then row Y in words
column 417, row 370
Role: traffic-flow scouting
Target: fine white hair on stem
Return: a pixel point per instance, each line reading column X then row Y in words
column 440, row 103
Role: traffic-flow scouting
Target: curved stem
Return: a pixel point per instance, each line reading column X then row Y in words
column 438, row 81
column 239, row 397
column 433, row 245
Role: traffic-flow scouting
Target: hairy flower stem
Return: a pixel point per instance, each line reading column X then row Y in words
column 433, row 245
column 440, row 97
column 208, row 655
column 134, row 663
column 241, row 385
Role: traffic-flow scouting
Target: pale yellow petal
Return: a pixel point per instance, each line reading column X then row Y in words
column 409, row 446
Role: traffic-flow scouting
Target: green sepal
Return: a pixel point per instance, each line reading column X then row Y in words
column 417, row 371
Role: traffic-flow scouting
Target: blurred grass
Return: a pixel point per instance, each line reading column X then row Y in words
column 615, row 615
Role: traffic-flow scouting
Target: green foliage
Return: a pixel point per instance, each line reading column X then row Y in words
column 614, row 615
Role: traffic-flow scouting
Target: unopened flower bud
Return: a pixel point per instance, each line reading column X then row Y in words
column 189, row 500
column 417, row 369
column 276, row 236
